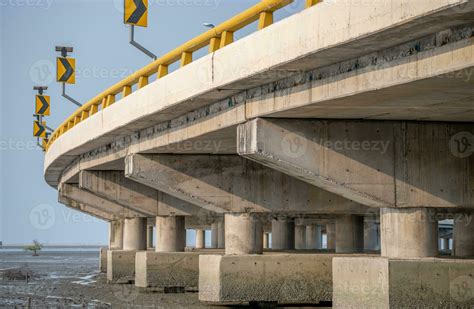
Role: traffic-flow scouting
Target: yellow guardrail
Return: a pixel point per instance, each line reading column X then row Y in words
column 215, row 38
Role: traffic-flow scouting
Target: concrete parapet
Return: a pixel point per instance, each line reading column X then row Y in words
column 274, row 277
column 168, row 270
column 121, row 266
column 378, row 282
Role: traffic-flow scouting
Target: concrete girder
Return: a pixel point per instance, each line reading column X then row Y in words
column 229, row 183
column 375, row 163
column 99, row 214
column 84, row 197
column 113, row 186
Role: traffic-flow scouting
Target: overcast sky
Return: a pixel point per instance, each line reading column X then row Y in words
column 29, row 31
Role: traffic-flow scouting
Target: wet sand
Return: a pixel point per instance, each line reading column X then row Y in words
column 70, row 279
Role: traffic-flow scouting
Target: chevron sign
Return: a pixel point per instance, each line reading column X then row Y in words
column 42, row 105
column 66, row 70
column 136, row 12
column 39, row 129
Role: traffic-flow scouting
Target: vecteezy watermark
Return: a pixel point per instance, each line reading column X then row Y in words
column 125, row 292
column 44, row 4
column 461, row 289
column 295, row 145
column 42, row 72
column 461, row 144
column 42, row 217
column 14, row 144
column 213, row 4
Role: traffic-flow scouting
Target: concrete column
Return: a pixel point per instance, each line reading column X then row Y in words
column 243, row 234
column 116, row 235
column 134, row 234
column 214, row 235
column 170, row 234
column 200, row 239
column 463, row 235
column 349, row 234
column 300, row 237
column 283, row 233
column 445, row 244
column 331, row 236
column 371, row 234
column 266, row 240
column 313, row 237
column 408, row 232
column 221, row 234
column 149, row 237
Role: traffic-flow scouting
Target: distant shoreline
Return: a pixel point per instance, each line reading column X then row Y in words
column 54, row 246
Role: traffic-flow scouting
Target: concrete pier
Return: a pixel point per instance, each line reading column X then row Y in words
column 283, row 233
column 243, row 234
column 221, row 234
column 214, row 235
column 266, row 240
column 200, row 239
column 463, row 235
column 371, row 234
column 149, row 237
column 331, row 236
column 300, row 237
column 116, row 234
column 170, row 234
column 409, row 233
column 349, row 234
column 134, row 234
column 313, row 237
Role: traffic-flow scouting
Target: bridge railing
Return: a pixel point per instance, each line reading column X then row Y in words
column 216, row 38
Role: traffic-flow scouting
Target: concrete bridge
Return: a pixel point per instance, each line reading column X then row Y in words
column 349, row 120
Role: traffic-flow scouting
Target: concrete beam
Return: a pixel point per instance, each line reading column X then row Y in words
column 375, row 163
column 85, row 209
column 113, row 186
column 229, row 183
column 113, row 210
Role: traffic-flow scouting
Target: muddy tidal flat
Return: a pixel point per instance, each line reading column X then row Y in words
column 69, row 278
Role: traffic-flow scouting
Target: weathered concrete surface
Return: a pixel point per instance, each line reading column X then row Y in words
column 377, row 282
column 408, row 233
column 116, row 234
column 313, row 236
column 120, row 266
column 94, row 212
column 300, row 237
column 113, row 210
column 170, row 234
column 463, row 235
column 283, row 233
column 134, row 234
column 243, row 234
column 339, row 32
column 168, row 269
column 282, row 278
column 103, row 260
column 381, row 164
column 233, row 184
column 349, row 234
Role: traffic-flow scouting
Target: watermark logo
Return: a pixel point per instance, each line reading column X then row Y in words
column 42, row 217
column 461, row 144
column 45, row 4
column 125, row 292
column 42, row 72
column 294, row 145
column 462, row 288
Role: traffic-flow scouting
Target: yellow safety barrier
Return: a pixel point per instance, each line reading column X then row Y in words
column 215, row 38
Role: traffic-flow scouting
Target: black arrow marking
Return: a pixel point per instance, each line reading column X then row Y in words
column 138, row 13
column 44, row 106
column 69, row 70
column 40, row 129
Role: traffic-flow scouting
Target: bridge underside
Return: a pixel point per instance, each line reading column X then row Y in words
column 363, row 134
